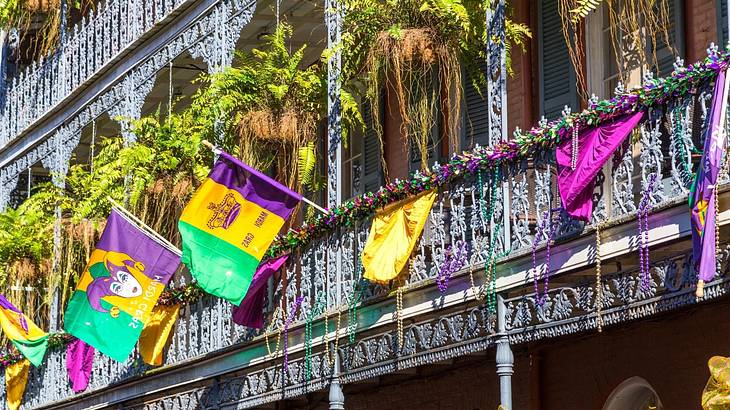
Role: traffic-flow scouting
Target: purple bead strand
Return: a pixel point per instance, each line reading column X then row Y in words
column 643, row 224
column 288, row 321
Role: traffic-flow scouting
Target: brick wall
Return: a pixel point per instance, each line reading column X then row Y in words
column 700, row 27
column 577, row 372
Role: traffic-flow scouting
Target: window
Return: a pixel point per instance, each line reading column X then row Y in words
column 475, row 114
column 722, row 23
column 362, row 159
column 557, row 74
column 634, row 393
column 614, row 56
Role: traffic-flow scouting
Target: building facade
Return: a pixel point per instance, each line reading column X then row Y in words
column 535, row 346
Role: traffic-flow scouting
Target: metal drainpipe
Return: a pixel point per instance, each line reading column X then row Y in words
column 505, row 358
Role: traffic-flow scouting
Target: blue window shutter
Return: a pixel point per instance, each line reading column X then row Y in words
column 372, row 157
column 557, row 74
column 475, row 127
column 722, row 37
column 665, row 56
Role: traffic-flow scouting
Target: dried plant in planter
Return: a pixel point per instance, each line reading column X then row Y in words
column 416, row 50
column 637, row 30
column 272, row 105
column 41, row 18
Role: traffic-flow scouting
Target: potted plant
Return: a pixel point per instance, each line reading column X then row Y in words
column 416, row 49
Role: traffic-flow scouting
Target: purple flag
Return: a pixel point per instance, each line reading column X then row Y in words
column 250, row 311
column 595, row 147
column 702, row 194
column 115, row 295
column 79, row 362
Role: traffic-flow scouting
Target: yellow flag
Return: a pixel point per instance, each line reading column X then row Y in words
column 393, row 236
column 154, row 336
column 716, row 395
column 16, row 377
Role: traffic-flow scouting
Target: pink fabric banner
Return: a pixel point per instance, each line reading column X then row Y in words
column 250, row 311
column 79, row 362
column 595, row 147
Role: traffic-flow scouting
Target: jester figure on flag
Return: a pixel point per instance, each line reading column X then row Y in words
column 119, row 287
column 229, row 224
column 703, row 193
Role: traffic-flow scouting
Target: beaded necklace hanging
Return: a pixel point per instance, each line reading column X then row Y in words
column 330, row 357
column 399, row 315
column 288, row 321
column 574, row 148
column 545, row 225
column 314, row 312
column 454, row 259
column 274, row 317
column 643, row 214
column 357, row 292
column 675, row 118
column 487, row 216
column 599, row 281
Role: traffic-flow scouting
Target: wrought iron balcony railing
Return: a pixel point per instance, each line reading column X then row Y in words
column 327, row 270
column 91, row 45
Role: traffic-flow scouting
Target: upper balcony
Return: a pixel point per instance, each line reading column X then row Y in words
column 498, row 260
column 104, row 36
column 508, row 225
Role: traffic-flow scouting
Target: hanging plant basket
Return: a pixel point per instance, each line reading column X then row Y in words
column 410, row 45
column 41, row 6
column 290, row 127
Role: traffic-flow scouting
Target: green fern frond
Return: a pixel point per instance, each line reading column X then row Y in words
column 307, row 163
column 583, row 8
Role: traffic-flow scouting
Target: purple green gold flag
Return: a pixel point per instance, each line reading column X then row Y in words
column 702, row 194
column 122, row 281
column 229, row 225
column 28, row 338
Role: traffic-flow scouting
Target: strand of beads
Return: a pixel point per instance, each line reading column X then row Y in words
column 288, row 321
column 476, row 292
column 718, row 261
column 491, row 260
column 574, row 148
column 545, row 225
column 454, row 260
column 357, row 293
column 490, row 271
column 274, row 317
column 399, row 316
column 599, row 281
column 337, row 339
column 643, row 214
column 308, row 333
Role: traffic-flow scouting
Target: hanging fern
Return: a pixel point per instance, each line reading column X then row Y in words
column 583, row 8
column 307, row 163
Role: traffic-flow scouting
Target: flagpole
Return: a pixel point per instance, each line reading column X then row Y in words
column 149, row 230
column 217, row 150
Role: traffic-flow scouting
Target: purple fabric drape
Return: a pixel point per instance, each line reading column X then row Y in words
column 250, row 311
column 79, row 362
column 702, row 193
column 595, row 147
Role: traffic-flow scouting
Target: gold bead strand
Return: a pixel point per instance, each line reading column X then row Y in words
column 399, row 316
column 337, row 338
column 717, row 231
column 599, row 284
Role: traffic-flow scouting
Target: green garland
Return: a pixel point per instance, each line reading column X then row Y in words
column 655, row 92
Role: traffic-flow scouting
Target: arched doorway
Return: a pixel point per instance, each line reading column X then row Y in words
column 634, row 393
